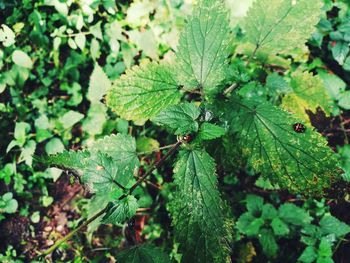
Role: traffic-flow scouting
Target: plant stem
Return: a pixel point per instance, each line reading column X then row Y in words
column 70, row 234
column 154, row 166
column 230, row 89
column 252, row 55
column 346, row 138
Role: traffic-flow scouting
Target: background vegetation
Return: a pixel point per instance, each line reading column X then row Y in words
column 57, row 59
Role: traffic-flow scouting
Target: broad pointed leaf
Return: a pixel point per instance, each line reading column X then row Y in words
column 143, row 254
column 120, row 210
column 179, row 118
column 143, row 92
column 108, row 164
column 197, row 209
column 210, row 131
column 203, row 46
column 301, row 162
column 281, row 25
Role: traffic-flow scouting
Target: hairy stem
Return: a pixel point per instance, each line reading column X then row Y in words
column 70, row 234
column 155, row 166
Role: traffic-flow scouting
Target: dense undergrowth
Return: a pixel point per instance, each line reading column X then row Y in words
column 226, row 139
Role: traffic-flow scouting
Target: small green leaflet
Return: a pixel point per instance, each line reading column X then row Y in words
column 209, row 131
column 143, row 92
column 268, row 242
column 204, row 47
column 331, row 225
column 294, row 215
column 180, row 118
column 290, row 159
column 281, row 25
column 309, row 94
column 197, row 209
column 143, row 254
column 120, row 210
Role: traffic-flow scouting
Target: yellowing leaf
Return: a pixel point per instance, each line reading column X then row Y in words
column 281, row 25
column 301, row 162
column 309, row 94
column 143, row 92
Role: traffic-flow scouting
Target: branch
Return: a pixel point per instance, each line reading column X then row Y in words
column 70, row 234
column 104, row 210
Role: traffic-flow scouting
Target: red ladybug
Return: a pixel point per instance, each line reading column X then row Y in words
column 299, row 127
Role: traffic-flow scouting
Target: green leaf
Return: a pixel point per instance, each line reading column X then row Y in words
column 204, row 47
column 143, row 254
column 334, row 85
column 268, row 243
column 344, row 100
column 294, row 215
column 251, row 229
column 288, row 158
column 254, row 203
column 331, row 225
column 145, row 144
column 71, row 160
column 120, row 147
column 8, row 204
column 309, row 94
column 99, row 84
column 143, row 92
column 268, row 212
column 54, row 146
column 325, row 248
column 197, row 209
column 121, row 210
column 279, row 25
column 70, row 118
column 340, row 51
column 309, row 255
column 80, row 40
column 22, row 59
column 180, row 118
column 279, row 227
column 209, row 131
column 108, row 164
column 7, row 36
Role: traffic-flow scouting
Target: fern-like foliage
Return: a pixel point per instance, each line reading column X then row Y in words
column 197, row 209
column 300, row 162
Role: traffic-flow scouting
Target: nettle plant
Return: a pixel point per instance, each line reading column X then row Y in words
column 218, row 94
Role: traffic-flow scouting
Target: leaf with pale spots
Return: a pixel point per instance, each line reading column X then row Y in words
column 301, row 162
column 143, row 92
column 204, row 47
column 109, row 163
column 197, row 209
column 280, row 25
column 309, row 94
